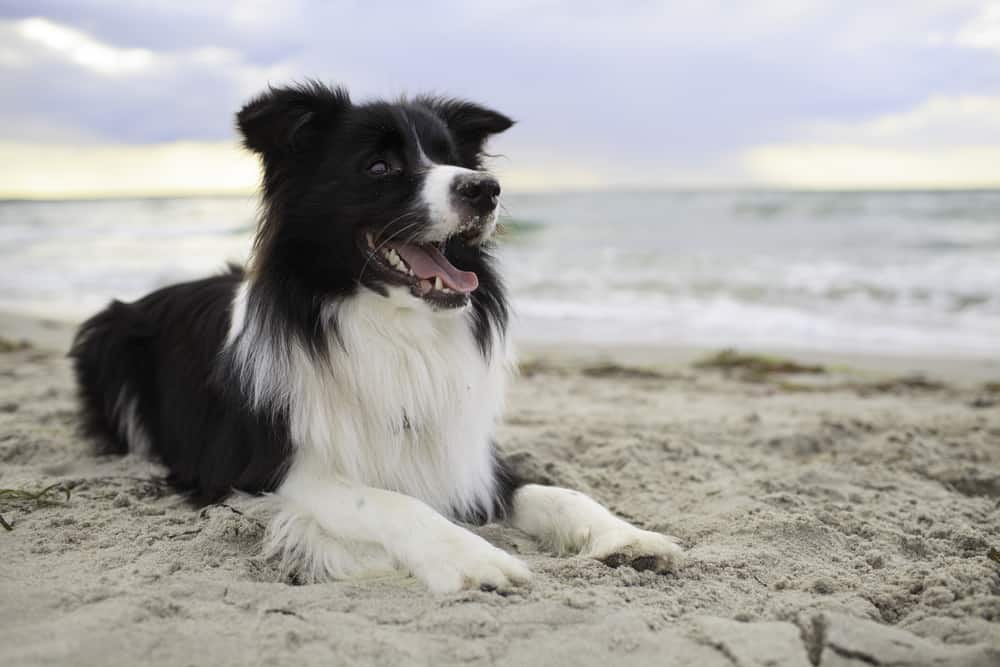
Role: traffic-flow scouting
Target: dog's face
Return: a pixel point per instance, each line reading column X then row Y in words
column 381, row 194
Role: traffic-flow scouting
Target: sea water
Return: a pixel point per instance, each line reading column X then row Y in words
column 912, row 273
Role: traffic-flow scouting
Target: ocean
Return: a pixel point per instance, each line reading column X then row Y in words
column 896, row 273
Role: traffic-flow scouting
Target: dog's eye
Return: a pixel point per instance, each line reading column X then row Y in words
column 378, row 168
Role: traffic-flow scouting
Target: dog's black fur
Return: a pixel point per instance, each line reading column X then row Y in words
column 162, row 362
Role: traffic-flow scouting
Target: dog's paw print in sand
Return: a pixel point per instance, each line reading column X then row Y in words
column 637, row 548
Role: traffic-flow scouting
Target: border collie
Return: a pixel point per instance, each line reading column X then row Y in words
column 355, row 371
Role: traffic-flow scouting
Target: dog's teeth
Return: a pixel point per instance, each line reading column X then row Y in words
column 448, row 290
column 410, row 271
column 437, row 283
column 371, row 239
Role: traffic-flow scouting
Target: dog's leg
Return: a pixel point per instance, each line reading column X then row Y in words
column 571, row 522
column 443, row 555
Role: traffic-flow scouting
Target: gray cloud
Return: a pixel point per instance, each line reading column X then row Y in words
column 628, row 83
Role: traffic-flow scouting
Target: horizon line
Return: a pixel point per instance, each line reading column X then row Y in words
column 567, row 190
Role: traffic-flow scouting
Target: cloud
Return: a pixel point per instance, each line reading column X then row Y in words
column 176, row 168
column 938, row 122
column 944, row 142
column 839, row 166
column 983, row 31
column 635, row 93
column 81, row 49
column 58, row 81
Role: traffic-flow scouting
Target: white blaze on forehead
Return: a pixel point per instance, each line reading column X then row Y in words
column 437, row 197
column 424, row 160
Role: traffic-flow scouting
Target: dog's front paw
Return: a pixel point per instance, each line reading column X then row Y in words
column 624, row 544
column 461, row 559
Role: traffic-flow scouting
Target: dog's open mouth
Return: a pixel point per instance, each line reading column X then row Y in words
column 424, row 268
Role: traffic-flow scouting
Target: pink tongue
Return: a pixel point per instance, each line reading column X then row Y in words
column 427, row 262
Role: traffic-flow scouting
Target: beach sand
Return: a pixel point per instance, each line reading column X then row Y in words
column 837, row 518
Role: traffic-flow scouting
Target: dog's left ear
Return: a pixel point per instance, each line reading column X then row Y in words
column 470, row 124
column 289, row 121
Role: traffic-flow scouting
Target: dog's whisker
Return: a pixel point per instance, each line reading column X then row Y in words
column 382, row 243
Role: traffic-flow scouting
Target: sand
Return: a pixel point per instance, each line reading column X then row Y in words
column 840, row 518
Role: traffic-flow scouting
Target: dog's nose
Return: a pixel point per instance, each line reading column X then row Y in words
column 481, row 192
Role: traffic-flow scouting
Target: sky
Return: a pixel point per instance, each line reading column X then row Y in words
column 136, row 98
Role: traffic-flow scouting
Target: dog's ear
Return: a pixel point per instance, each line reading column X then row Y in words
column 470, row 124
column 286, row 121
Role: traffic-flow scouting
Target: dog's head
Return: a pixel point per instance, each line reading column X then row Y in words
column 382, row 194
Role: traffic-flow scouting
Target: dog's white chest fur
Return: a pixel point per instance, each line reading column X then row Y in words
column 404, row 401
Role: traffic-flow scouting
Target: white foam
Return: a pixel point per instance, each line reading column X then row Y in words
column 890, row 273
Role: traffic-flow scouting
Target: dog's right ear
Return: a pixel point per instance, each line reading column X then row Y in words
column 285, row 121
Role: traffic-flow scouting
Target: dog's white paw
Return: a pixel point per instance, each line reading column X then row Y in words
column 624, row 544
column 459, row 559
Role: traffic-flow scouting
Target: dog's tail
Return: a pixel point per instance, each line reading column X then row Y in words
column 108, row 358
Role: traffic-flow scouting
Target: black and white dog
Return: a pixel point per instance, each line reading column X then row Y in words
column 356, row 369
